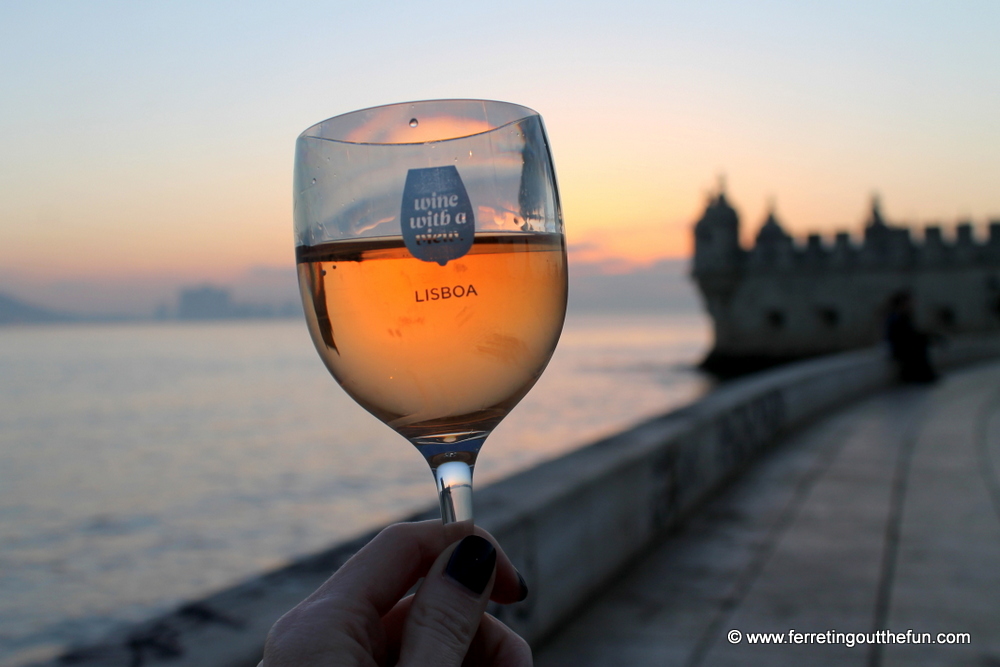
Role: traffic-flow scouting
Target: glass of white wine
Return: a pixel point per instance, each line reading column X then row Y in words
column 432, row 267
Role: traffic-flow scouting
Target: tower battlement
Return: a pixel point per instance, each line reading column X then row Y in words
column 883, row 246
column 780, row 299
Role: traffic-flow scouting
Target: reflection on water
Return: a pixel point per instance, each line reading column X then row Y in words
column 143, row 465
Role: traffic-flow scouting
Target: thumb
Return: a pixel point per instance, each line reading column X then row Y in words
column 447, row 609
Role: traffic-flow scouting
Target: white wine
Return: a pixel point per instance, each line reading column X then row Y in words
column 436, row 350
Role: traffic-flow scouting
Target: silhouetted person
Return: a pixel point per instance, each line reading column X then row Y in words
column 908, row 344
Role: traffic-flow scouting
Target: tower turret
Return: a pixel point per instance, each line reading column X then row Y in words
column 717, row 238
column 773, row 248
column 885, row 246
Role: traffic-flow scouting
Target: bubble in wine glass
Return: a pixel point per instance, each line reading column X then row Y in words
column 413, row 122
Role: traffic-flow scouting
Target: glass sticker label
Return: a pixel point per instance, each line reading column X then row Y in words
column 436, row 217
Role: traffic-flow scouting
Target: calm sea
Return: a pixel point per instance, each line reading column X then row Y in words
column 142, row 465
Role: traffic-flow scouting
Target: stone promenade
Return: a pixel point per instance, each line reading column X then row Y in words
column 884, row 516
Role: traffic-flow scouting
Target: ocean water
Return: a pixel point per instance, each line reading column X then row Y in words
column 143, row 465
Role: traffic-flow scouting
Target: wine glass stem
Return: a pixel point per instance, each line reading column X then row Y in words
column 454, row 483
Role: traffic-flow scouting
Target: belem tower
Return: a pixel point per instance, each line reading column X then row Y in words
column 780, row 301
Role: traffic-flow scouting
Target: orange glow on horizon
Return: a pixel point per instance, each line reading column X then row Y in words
column 629, row 247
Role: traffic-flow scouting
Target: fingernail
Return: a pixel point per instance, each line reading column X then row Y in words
column 472, row 563
column 524, row 587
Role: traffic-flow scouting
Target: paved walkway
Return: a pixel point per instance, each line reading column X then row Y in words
column 885, row 516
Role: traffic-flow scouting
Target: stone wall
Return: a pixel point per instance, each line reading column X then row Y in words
column 788, row 315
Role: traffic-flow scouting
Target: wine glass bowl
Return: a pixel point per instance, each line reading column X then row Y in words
column 432, row 268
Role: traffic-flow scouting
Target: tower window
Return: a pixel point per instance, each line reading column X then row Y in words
column 829, row 317
column 946, row 316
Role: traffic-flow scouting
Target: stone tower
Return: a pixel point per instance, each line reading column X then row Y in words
column 718, row 259
column 778, row 300
column 717, row 239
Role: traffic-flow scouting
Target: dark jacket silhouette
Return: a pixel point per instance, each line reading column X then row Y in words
column 908, row 344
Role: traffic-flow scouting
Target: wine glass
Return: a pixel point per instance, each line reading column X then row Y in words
column 432, row 268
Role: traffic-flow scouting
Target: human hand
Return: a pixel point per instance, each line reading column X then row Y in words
column 360, row 616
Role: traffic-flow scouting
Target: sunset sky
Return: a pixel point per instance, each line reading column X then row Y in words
column 150, row 143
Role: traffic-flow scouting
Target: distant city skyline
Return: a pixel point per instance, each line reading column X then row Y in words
column 661, row 287
column 144, row 147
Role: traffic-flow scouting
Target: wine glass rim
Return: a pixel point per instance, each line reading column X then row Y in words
column 312, row 131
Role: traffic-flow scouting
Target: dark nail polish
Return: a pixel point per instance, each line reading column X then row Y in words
column 472, row 563
column 524, row 588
